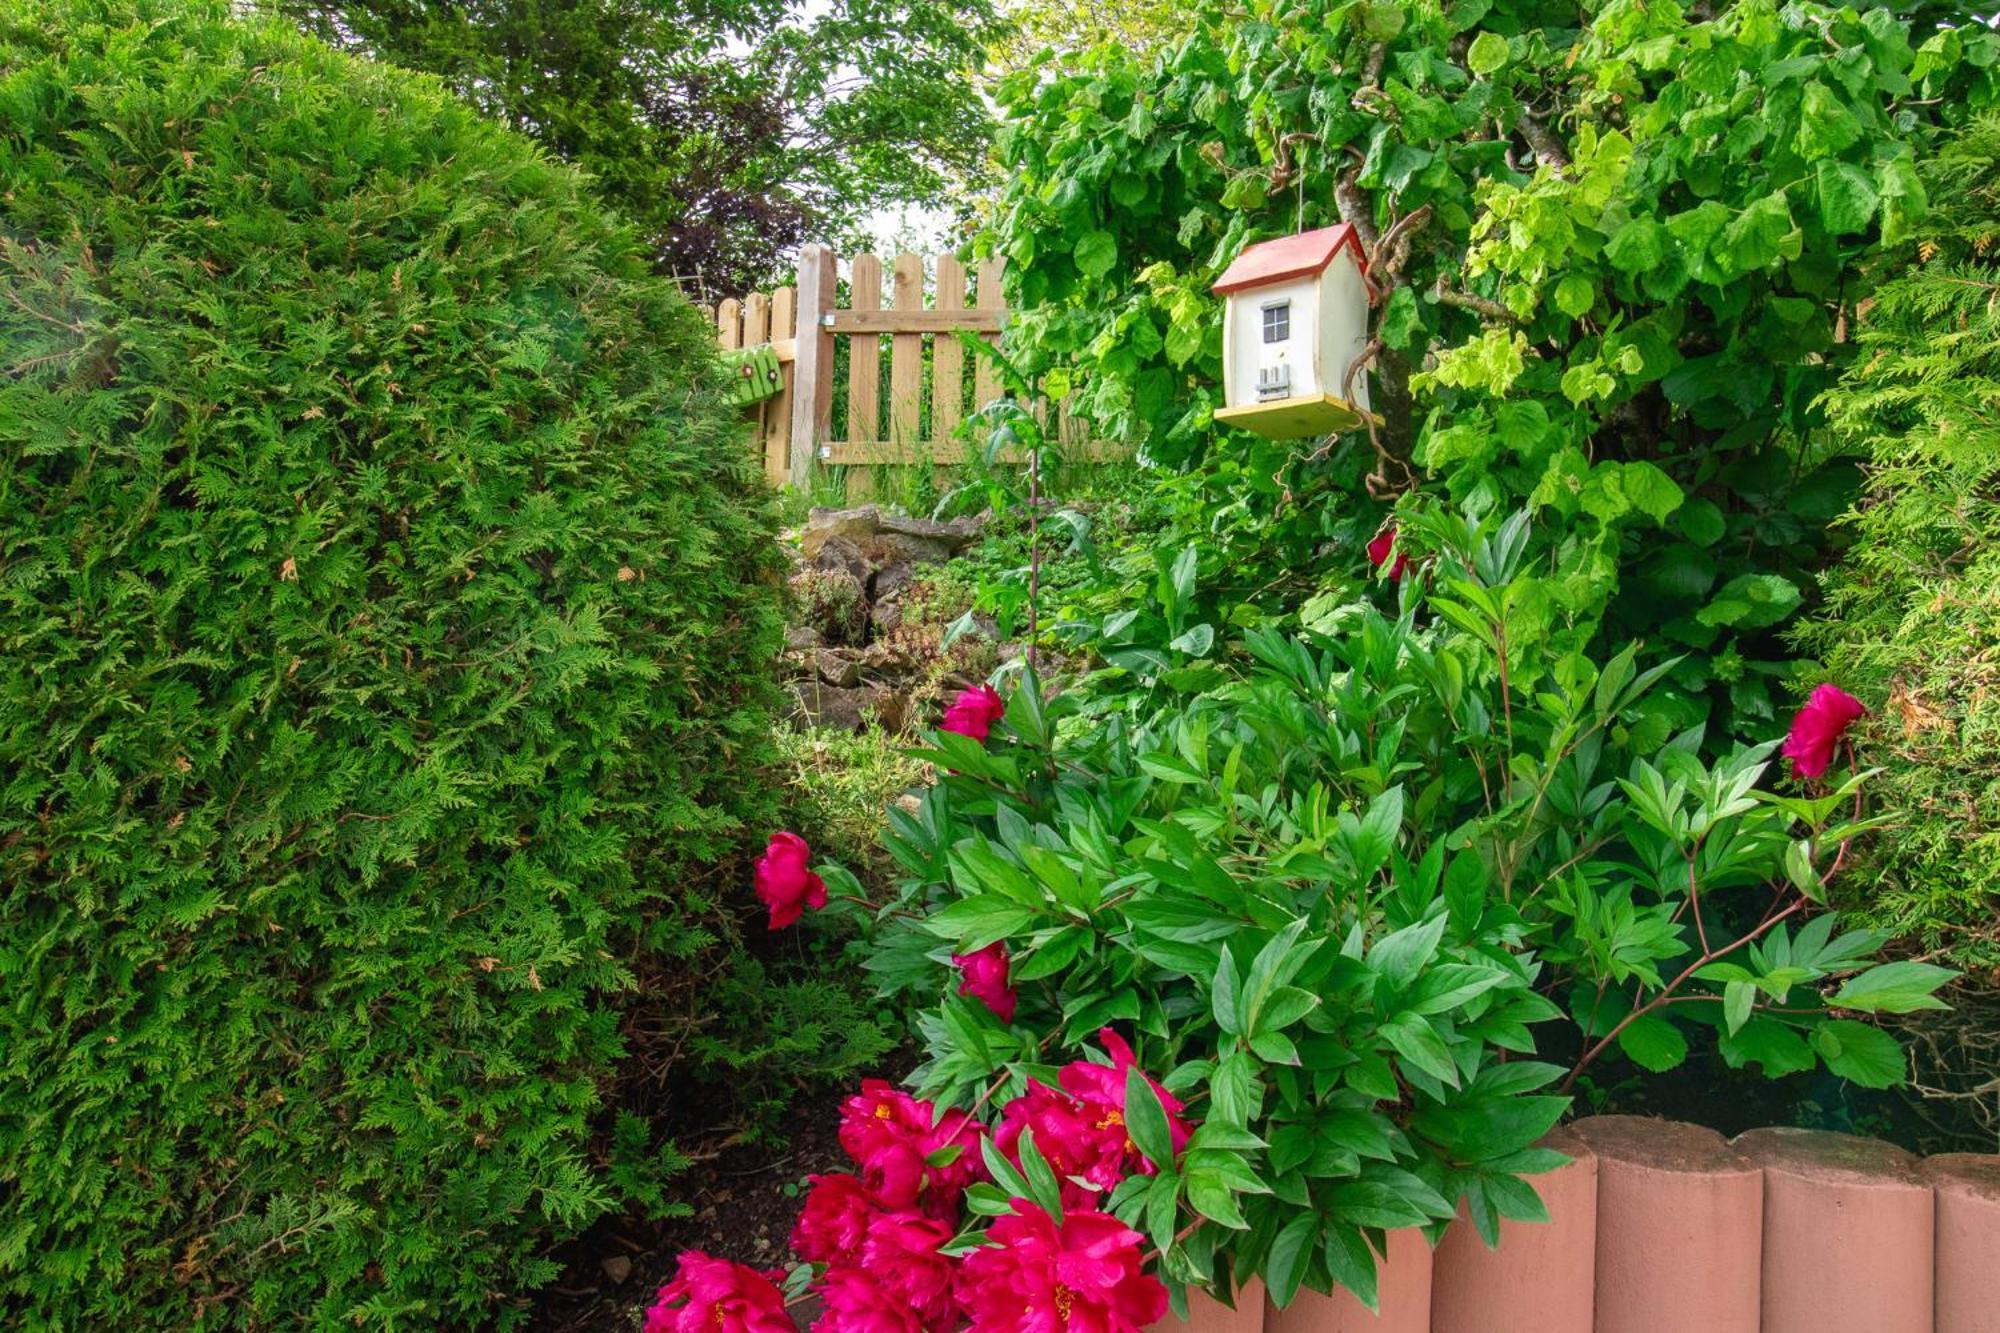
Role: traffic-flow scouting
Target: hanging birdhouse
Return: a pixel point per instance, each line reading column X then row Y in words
column 1295, row 319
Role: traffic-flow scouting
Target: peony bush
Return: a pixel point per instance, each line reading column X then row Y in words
column 1229, row 979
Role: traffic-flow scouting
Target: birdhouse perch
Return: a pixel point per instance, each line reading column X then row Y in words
column 1295, row 318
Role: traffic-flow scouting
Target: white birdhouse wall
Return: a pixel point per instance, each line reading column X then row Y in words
column 1255, row 358
column 1343, row 327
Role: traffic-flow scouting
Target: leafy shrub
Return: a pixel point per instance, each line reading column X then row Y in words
column 1914, row 608
column 1345, row 895
column 1635, row 235
column 385, row 604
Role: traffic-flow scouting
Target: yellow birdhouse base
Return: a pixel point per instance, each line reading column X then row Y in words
column 1294, row 418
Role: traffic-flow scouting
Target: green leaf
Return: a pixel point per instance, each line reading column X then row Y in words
column 1096, row 253
column 1043, row 1187
column 1650, row 490
column 1210, row 1195
column 1894, row 988
column 1738, row 999
column 1752, row 601
column 1286, row 1264
column 1638, row 246
column 1826, row 126
column 1234, row 1090
column 1053, row 954
column 1653, row 1043
column 1757, row 238
column 1575, row 294
column 1903, row 200
column 1859, row 1053
column 1146, row 1119
column 979, row 921
column 1371, row 1203
column 1400, row 320
column 1768, row 1043
column 1223, row 996
column 1352, row 1263
column 1488, row 52
column 1162, row 1211
column 1418, row 1042
column 1398, row 957
column 1847, row 197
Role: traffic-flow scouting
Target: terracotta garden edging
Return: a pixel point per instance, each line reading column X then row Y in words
column 1659, row 1227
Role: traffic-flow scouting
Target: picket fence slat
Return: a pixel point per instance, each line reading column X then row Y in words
column 906, row 358
column 864, row 354
column 778, row 412
column 947, row 355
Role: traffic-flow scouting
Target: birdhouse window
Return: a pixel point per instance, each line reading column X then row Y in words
column 1277, row 321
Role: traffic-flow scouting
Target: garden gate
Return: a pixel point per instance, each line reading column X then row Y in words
column 933, row 382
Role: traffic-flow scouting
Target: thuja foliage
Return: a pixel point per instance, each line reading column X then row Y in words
column 1343, row 897
column 1622, row 247
column 1914, row 608
column 383, row 629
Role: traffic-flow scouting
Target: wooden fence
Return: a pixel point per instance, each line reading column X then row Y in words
column 932, row 381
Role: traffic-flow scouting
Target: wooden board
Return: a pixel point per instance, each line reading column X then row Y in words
column 900, row 320
column 986, row 384
column 864, row 359
column 947, row 354
column 1293, row 418
column 906, row 358
column 778, row 411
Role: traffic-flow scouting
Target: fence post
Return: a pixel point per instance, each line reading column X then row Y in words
column 812, row 369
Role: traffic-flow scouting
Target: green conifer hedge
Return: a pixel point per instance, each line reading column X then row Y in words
column 1913, row 610
column 385, row 611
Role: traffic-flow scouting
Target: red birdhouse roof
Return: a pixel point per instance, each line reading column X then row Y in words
column 1290, row 257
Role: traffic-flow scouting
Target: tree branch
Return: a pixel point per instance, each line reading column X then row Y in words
column 1548, row 149
column 1479, row 305
column 1356, row 210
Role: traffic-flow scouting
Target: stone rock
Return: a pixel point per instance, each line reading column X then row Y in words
column 835, row 708
column 837, row 666
column 801, row 638
column 854, row 525
column 956, row 534
column 838, row 555
column 890, row 582
column 617, row 1267
column 885, row 617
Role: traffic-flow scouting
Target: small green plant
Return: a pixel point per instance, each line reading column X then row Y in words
column 1342, row 886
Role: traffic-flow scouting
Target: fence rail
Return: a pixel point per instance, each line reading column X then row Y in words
column 834, row 407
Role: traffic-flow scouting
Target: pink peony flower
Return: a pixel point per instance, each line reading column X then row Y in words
column 854, row 1301
column 974, row 712
column 901, row 1251
column 986, row 979
column 783, row 881
column 1086, row 1158
column 834, row 1221
column 709, row 1295
column 1818, row 727
column 1081, row 1129
column 890, row 1134
column 1379, row 549
column 1080, row 1277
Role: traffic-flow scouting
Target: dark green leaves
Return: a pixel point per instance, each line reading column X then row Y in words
column 1096, row 252
column 1653, row 1043
column 1846, row 195
column 1146, row 1119
column 1858, row 1053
